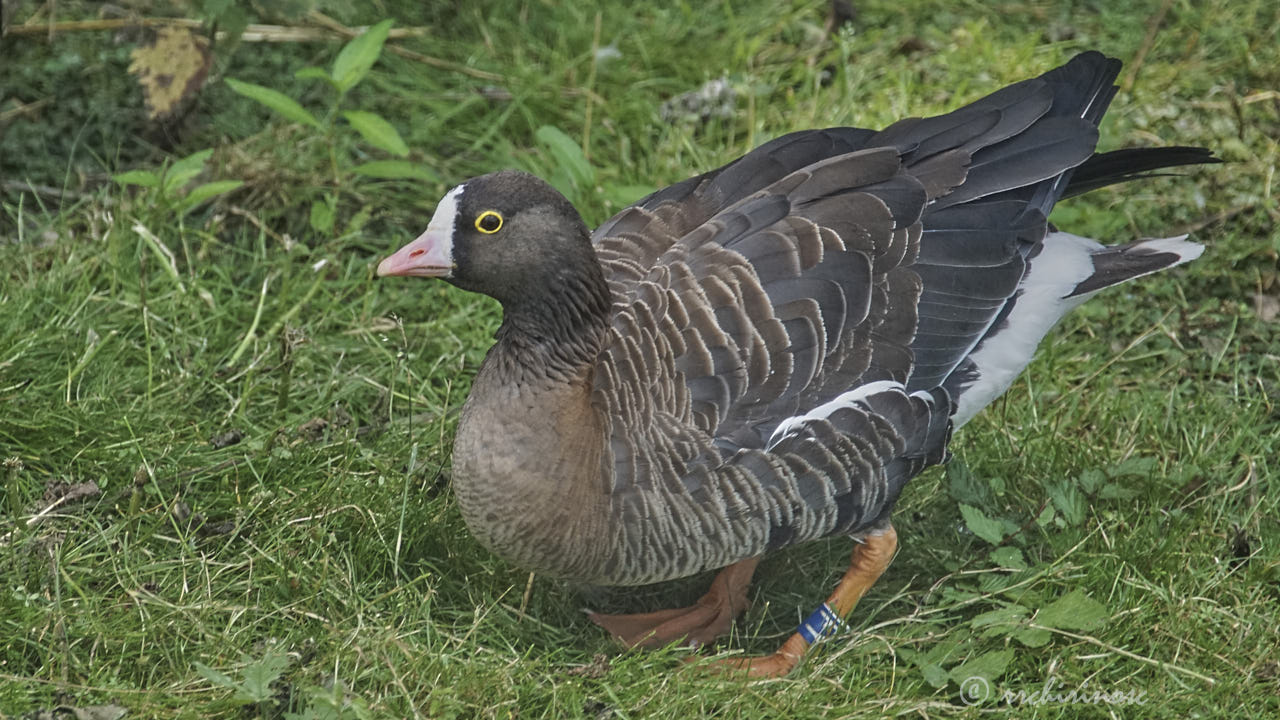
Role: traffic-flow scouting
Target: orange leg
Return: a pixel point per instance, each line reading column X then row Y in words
column 870, row 558
column 699, row 624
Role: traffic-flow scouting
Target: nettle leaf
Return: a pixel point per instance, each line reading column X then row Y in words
column 989, row 665
column 1002, row 616
column 1070, row 502
column 1092, row 479
column 260, row 674
column 355, row 59
column 1046, row 516
column 984, row 527
column 1008, row 557
column 1073, row 611
column 1140, row 466
column 377, row 131
column 1032, row 637
column 277, row 101
column 144, row 178
column 215, row 677
column 395, row 170
column 966, row 487
column 934, row 675
column 1114, row 491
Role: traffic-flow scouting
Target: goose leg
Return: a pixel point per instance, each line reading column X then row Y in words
column 699, row 624
column 870, row 558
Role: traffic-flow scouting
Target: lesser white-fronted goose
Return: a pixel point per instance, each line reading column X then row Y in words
column 765, row 354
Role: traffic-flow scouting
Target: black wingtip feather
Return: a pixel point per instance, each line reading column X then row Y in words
column 1120, row 166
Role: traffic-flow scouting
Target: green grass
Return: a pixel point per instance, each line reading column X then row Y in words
column 328, row 567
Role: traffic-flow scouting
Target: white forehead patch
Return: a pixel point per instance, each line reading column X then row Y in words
column 440, row 228
column 446, row 214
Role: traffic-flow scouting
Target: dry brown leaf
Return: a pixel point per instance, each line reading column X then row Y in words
column 61, row 491
column 171, row 68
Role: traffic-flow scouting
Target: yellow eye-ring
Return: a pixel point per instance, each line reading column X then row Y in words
column 489, row 222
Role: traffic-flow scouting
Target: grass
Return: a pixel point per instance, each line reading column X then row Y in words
column 1125, row 536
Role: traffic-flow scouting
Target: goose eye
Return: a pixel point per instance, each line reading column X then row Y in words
column 489, row 222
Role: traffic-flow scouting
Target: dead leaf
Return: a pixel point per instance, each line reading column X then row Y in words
column 66, row 492
column 171, row 68
column 313, row 429
column 597, row 668
column 227, row 439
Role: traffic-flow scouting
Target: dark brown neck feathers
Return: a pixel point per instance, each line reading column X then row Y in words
column 555, row 331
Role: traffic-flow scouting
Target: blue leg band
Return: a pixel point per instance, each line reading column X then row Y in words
column 821, row 623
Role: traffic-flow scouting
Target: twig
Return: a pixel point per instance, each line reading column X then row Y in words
column 1136, row 65
column 528, row 592
column 445, row 64
column 265, row 33
column 252, row 33
column 30, row 108
column 333, row 25
column 1126, row 653
column 41, row 515
column 46, row 190
column 247, row 215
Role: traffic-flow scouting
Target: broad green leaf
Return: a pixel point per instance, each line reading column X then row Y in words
column 991, row 583
column 1090, row 480
column 200, row 193
column 145, row 178
column 1046, row 516
column 1032, row 637
column 322, row 216
column 1069, row 501
column 184, row 170
column 989, row 666
column 313, row 73
column 377, row 131
column 966, row 487
column 260, row 674
column 1073, row 611
column 278, row 101
column 395, row 170
column 1115, row 491
column 215, row 677
column 567, row 155
column 355, row 59
column 1003, row 616
column 1008, row 557
column 981, row 525
column 1137, row 466
column 934, row 675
